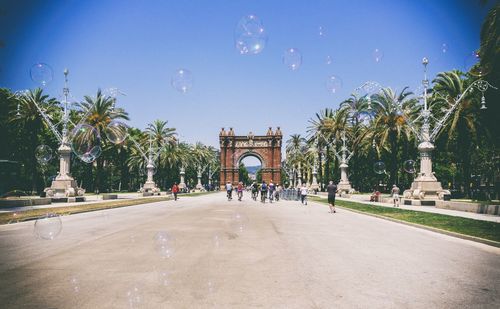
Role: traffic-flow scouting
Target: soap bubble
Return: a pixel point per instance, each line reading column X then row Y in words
column 48, row 227
column 250, row 36
column 292, row 58
column 217, row 240
column 444, row 48
column 182, row 80
column 41, row 74
column 379, row 167
column 116, row 132
column 74, row 284
column 164, row 277
column 86, row 143
column 473, row 65
column 377, row 55
column 328, row 60
column 365, row 118
column 409, row 166
column 43, row 154
column 321, row 31
column 134, row 297
column 164, row 244
column 239, row 222
column 333, row 84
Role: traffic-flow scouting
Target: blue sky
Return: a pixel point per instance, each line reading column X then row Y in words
column 137, row 45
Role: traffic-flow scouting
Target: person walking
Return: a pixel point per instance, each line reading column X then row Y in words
column 303, row 194
column 395, row 195
column 229, row 190
column 332, row 190
column 175, row 190
column 240, row 191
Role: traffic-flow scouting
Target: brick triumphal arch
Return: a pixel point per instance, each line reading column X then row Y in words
column 234, row 148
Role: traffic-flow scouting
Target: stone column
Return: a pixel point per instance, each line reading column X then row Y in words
column 314, row 184
column 182, row 184
column 199, row 186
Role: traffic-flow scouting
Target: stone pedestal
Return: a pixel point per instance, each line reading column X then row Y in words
column 182, row 184
column 344, row 186
column 64, row 186
column 150, row 186
column 425, row 186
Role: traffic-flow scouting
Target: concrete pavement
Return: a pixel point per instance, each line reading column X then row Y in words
column 242, row 255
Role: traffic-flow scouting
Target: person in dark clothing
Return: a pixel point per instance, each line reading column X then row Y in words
column 331, row 189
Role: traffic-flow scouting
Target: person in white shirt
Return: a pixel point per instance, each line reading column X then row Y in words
column 395, row 195
column 229, row 189
column 303, row 194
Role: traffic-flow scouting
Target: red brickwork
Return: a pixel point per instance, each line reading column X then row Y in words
column 265, row 147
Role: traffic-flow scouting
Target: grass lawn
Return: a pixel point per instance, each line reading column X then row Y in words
column 477, row 228
column 32, row 214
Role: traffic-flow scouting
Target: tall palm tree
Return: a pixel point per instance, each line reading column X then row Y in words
column 101, row 113
column 390, row 126
column 28, row 117
column 463, row 127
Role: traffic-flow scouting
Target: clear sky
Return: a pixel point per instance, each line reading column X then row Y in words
column 137, row 45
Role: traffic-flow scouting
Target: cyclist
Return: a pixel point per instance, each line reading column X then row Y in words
column 240, row 191
column 263, row 192
column 255, row 191
column 272, row 189
column 279, row 189
column 229, row 190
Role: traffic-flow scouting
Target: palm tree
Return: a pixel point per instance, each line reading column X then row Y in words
column 462, row 129
column 390, row 126
column 28, row 117
column 101, row 113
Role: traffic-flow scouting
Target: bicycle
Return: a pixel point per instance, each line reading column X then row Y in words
column 254, row 195
column 271, row 196
column 263, row 196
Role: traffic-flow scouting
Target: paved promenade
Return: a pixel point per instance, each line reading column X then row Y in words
column 222, row 254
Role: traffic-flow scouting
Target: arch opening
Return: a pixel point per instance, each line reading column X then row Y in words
column 250, row 169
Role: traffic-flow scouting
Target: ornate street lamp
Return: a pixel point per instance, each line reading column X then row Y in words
column 344, row 155
column 426, row 186
column 64, row 187
column 150, row 157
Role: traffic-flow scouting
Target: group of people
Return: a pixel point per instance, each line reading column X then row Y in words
column 267, row 191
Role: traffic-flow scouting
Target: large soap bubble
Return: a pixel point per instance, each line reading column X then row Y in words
column 48, row 227
column 41, row 74
column 43, row 154
column 379, row 167
column 250, row 36
column 409, row 166
column 164, row 244
column 116, row 132
column 473, row 65
column 292, row 58
column 333, row 84
column 86, row 143
column 182, row 80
